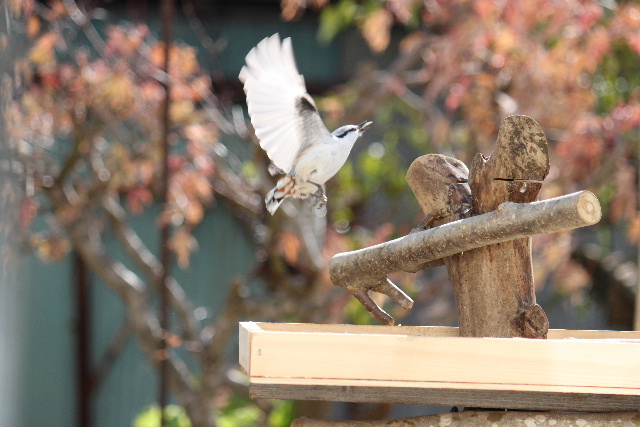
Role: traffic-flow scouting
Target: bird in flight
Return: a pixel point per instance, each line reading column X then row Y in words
column 289, row 127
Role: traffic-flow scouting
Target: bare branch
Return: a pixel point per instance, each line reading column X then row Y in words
column 151, row 267
column 222, row 330
column 132, row 291
column 368, row 268
column 110, row 355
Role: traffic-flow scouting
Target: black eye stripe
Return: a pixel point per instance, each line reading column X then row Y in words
column 342, row 134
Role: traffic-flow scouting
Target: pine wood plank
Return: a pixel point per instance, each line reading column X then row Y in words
column 611, row 391
column 395, row 357
column 570, row 371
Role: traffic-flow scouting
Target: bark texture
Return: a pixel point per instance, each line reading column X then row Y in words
column 367, row 269
column 493, row 284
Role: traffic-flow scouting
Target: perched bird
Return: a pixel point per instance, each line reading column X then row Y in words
column 288, row 125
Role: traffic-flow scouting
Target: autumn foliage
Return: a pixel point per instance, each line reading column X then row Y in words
column 572, row 66
column 91, row 122
column 88, row 124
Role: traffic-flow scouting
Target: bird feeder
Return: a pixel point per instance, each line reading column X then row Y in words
column 479, row 224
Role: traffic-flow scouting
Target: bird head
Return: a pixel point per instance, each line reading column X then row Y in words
column 350, row 132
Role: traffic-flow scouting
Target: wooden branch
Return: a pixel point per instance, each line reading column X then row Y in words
column 490, row 419
column 368, row 268
column 441, row 188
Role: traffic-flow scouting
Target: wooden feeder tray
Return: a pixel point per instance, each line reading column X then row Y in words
column 594, row 371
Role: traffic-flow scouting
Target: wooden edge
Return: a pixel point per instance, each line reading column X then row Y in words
column 560, row 400
column 329, row 382
column 246, row 329
column 429, row 331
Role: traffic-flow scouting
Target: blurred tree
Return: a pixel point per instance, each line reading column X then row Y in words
column 12, row 45
column 88, row 126
column 463, row 66
column 88, row 129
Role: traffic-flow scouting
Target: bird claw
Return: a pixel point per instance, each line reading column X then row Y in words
column 320, row 197
column 320, row 201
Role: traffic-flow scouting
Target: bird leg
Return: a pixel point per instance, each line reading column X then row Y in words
column 320, row 196
column 323, row 195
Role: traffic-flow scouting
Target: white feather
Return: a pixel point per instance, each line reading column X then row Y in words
column 274, row 88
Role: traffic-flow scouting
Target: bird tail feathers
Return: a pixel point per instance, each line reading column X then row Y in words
column 286, row 187
column 272, row 202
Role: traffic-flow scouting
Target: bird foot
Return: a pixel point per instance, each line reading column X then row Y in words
column 319, row 200
column 320, row 196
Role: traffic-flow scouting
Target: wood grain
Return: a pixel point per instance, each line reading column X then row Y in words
column 562, row 400
column 493, row 284
column 570, row 371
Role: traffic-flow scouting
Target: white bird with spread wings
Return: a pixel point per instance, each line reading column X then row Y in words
column 288, row 125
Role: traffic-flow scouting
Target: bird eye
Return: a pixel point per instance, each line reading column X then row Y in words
column 346, row 131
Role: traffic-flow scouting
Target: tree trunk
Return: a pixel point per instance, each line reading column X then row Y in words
column 493, row 284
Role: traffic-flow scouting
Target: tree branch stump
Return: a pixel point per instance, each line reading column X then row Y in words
column 493, row 285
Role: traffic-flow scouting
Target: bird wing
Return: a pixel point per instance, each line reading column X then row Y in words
column 283, row 114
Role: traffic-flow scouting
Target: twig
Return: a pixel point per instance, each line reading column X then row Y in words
column 110, row 355
column 150, row 266
column 368, row 101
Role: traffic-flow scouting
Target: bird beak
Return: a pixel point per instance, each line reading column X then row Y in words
column 364, row 126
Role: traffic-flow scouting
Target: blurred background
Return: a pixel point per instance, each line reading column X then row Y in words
column 104, row 182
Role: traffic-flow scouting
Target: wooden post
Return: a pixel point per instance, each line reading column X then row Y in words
column 494, row 207
column 493, row 284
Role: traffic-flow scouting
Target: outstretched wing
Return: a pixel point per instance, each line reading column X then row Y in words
column 284, row 116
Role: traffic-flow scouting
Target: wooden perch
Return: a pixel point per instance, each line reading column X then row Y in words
column 367, row 269
column 488, row 257
column 493, row 285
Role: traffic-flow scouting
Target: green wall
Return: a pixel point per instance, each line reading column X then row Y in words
column 46, row 340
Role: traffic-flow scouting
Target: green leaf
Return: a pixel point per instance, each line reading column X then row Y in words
column 175, row 416
column 247, row 416
column 336, row 18
column 283, row 413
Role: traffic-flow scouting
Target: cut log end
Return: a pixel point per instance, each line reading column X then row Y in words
column 589, row 208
